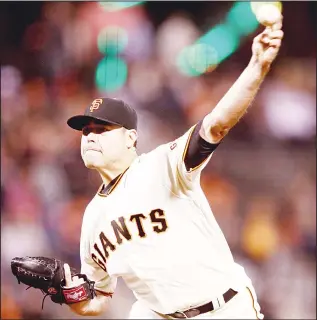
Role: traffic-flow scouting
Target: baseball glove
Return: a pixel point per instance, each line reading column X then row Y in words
column 48, row 275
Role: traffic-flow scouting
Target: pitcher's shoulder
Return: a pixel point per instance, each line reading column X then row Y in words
column 148, row 164
column 155, row 154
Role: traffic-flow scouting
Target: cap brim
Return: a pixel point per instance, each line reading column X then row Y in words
column 78, row 122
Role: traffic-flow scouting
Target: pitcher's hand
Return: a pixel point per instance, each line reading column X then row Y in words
column 267, row 44
column 70, row 281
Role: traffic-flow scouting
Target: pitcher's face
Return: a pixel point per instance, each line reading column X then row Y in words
column 101, row 145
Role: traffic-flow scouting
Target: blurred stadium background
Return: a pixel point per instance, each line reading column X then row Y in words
column 172, row 61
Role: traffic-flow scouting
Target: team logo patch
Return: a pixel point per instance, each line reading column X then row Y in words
column 95, row 104
column 173, row 145
column 52, row 290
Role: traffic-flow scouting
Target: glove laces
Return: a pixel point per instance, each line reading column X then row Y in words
column 45, row 295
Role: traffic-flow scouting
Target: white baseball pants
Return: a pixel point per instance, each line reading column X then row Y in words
column 243, row 305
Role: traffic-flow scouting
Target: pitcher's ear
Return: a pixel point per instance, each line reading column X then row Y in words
column 132, row 138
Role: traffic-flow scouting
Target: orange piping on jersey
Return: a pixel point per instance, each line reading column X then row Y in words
column 107, row 294
column 99, row 190
column 253, row 303
column 185, row 151
column 113, row 187
column 187, row 142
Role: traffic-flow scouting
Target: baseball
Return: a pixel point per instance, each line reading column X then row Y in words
column 266, row 13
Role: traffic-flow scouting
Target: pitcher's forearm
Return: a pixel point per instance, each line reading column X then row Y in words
column 234, row 103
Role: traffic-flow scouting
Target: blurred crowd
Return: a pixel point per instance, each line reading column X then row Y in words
column 261, row 181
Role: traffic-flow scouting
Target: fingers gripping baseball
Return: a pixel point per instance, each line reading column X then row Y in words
column 267, row 44
column 70, row 281
column 277, row 26
column 275, row 43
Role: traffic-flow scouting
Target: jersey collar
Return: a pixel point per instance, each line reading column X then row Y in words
column 104, row 191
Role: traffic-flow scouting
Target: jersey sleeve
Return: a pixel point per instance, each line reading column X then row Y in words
column 103, row 282
column 186, row 176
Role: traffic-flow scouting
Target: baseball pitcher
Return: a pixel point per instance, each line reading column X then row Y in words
column 150, row 222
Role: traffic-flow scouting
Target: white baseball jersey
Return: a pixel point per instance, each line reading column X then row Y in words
column 155, row 229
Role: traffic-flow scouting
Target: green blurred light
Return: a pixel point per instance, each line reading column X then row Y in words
column 112, row 40
column 197, row 59
column 242, row 19
column 111, row 74
column 223, row 39
column 116, row 6
column 184, row 65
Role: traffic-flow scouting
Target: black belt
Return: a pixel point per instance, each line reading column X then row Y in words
column 227, row 296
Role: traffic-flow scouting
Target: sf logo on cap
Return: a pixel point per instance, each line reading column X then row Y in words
column 95, row 105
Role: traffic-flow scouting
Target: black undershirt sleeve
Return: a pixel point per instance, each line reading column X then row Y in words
column 198, row 149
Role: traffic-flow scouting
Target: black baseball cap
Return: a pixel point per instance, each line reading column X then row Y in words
column 106, row 111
